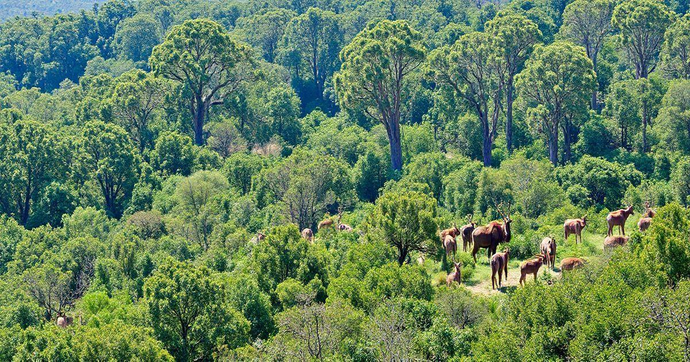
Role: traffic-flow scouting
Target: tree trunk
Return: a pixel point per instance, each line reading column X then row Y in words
column 645, row 123
column 199, row 119
column 595, row 104
column 395, row 147
column 509, row 115
column 486, row 145
column 553, row 149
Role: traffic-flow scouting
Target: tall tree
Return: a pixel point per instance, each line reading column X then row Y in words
column 33, row 157
column 515, row 36
column 317, row 38
column 588, row 23
column 208, row 63
column 634, row 103
column 265, row 30
column 108, row 157
column 135, row 99
column 555, row 88
column 374, row 75
column 641, row 25
column 475, row 69
column 675, row 53
column 407, row 220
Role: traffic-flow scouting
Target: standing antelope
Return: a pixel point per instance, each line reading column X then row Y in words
column 453, row 231
column 450, row 245
column 646, row 219
column 64, row 321
column 574, row 226
column 466, row 233
column 499, row 265
column 341, row 226
column 325, row 223
column 619, row 217
column 491, row 235
column 531, row 267
column 455, row 276
column 548, row 249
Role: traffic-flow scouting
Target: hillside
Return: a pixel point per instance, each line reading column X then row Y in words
column 195, row 180
column 12, row 8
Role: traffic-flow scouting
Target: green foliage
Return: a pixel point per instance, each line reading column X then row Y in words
column 189, row 312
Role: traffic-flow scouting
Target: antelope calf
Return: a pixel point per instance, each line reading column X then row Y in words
column 614, row 241
column 548, row 248
column 574, row 226
column 499, row 265
column 646, row 219
column 455, row 276
column 531, row 267
column 571, row 263
column 619, row 217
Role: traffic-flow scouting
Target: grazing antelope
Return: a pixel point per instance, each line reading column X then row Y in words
column 531, row 267
column 619, row 217
column 548, row 248
column 64, row 321
column 614, row 241
column 571, row 263
column 491, row 235
column 466, row 233
column 499, row 265
column 453, row 231
column 574, row 226
column 308, row 234
column 646, row 219
column 325, row 223
column 455, row 276
column 450, row 245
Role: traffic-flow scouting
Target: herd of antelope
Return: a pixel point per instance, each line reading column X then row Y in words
column 491, row 235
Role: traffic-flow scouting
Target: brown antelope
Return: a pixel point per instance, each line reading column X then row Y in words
column 491, row 235
column 548, row 248
column 308, row 234
column 64, row 321
column 325, row 223
column 646, row 219
column 454, row 232
column 571, row 263
column 614, row 241
column 455, row 276
column 341, row 226
column 574, row 226
column 466, row 233
column 619, row 217
column 450, row 245
column 499, row 265
column 531, row 267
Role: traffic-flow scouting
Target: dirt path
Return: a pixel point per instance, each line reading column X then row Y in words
column 483, row 286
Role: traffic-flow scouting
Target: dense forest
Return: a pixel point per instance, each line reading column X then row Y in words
column 304, row 180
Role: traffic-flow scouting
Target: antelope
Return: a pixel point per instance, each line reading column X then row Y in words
column 450, row 245
column 646, row 220
column 531, row 267
column 574, row 226
column 614, row 241
column 64, row 321
column 491, row 235
column 325, row 223
column 499, row 264
column 453, row 231
column 466, row 233
column 455, row 276
column 619, row 217
column 258, row 238
column 308, row 234
column 341, row 226
column 548, row 248
column 571, row 263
